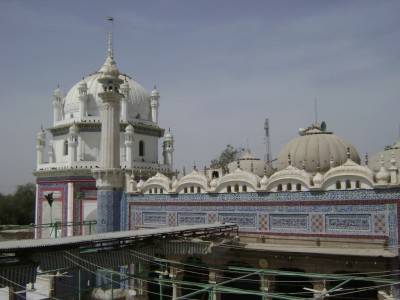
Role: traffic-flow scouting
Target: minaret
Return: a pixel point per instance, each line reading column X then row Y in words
column 57, row 105
column 83, row 96
column 168, row 149
column 40, row 145
column 109, row 177
column 125, row 90
column 73, row 143
column 154, row 103
column 129, row 143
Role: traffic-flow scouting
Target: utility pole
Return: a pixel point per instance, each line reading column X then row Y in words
column 268, row 154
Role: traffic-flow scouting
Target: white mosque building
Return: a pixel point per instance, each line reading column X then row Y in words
column 100, row 162
column 81, row 146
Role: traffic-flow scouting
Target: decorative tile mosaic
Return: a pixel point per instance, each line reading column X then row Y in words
column 154, row 218
column 191, row 219
column 242, row 220
column 348, row 223
column 212, row 218
column 288, row 222
column 138, row 218
column 347, row 213
column 172, row 219
column 380, row 224
column 262, row 222
column 317, row 223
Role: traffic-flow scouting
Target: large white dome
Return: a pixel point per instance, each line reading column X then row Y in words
column 138, row 100
column 316, row 147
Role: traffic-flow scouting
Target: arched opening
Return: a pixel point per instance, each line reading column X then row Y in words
column 358, row 185
column 141, row 148
column 185, row 190
column 348, row 184
column 251, row 283
column 192, row 189
column 279, row 188
column 289, row 186
column 161, row 191
column 215, row 174
column 353, row 289
column 338, row 185
column 236, row 188
column 244, row 188
column 228, row 189
column 195, row 271
column 298, row 187
column 198, row 190
column 66, row 147
column 293, row 284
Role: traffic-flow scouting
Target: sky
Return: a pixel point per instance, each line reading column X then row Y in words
column 221, row 67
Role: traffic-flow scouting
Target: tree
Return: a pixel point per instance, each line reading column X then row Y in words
column 18, row 209
column 228, row 155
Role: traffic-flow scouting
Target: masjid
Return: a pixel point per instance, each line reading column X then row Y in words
column 318, row 211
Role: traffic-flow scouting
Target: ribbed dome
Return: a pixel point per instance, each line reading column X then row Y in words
column 388, row 154
column 252, row 164
column 315, row 146
column 138, row 101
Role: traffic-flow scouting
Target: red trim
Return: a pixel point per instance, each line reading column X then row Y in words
column 269, row 203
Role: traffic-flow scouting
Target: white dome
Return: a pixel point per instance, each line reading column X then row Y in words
column 138, row 100
column 388, row 154
column 252, row 164
column 315, row 146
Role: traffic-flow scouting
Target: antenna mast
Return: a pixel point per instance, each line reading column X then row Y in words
column 268, row 154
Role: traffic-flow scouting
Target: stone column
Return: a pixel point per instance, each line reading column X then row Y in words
column 213, row 278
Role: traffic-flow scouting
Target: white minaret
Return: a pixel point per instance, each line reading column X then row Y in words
column 40, row 146
column 129, row 143
column 73, row 143
column 57, row 105
column 154, row 103
column 83, row 96
column 393, row 170
column 125, row 90
column 168, row 149
column 109, row 177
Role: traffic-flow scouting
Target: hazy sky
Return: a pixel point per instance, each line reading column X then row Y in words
column 221, row 67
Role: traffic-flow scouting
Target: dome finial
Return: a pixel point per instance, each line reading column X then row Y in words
column 110, row 32
column 366, row 158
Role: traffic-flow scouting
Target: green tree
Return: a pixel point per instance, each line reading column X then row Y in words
column 229, row 154
column 18, row 209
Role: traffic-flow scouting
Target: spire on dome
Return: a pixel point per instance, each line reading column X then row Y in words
column 109, row 64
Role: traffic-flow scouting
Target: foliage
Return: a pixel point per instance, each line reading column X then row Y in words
column 229, row 154
column 18, row 209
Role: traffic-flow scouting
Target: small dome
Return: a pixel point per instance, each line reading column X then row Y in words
column 252, row 164
column 292, row 172
column 169, row 136
column 390, row 152
column 350, row 168
column 73, row 129
column 57, row 93
column 155, row 93
column 382, row 177
column 314, row 147
column 41, row 135
column 129, row 129
column 194, row 177
column 318, row 179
